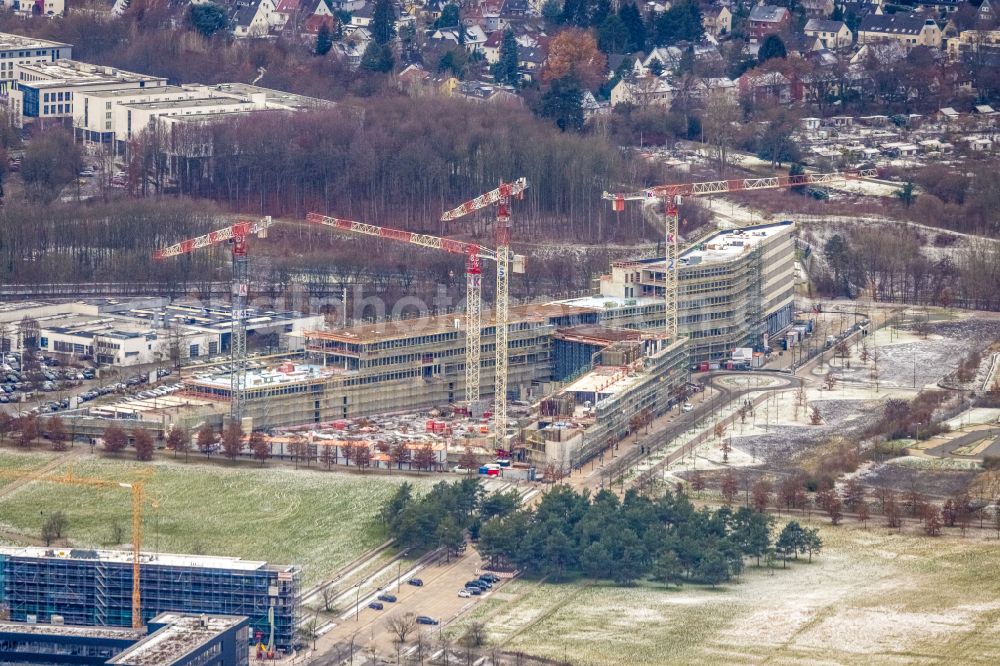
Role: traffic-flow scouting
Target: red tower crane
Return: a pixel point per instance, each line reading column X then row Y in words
column 500, row 197
column 473, row 271
column 673, row 194
column 236, row 235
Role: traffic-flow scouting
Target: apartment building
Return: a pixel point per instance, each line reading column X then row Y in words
column 909, row 30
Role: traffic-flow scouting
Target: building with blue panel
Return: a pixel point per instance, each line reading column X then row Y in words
column 171, row 639
column 91, row 587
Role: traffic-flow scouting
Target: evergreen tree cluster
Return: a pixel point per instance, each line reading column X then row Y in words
column 571, row 534
column 443, row 516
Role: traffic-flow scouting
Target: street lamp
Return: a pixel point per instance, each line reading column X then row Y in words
column 357, row 600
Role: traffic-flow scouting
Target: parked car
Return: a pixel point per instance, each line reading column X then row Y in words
column 687, row 407
column 376, row 605
column 465, row 594
column 491, row 577
column 475, row 591
column 416, row 582
column 424, row 619
column 391, row 598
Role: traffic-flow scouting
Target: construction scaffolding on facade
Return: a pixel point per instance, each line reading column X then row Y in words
column 94, row 587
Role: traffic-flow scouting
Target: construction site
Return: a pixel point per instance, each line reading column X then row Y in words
column 33, row 582
column 689, row 311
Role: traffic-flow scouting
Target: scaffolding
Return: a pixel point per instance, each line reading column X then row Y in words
column 94, row 588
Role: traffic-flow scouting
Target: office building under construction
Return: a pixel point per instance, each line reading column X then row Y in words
column 736, row 290
column 94, row 588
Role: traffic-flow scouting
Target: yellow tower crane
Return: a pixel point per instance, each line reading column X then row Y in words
column 138, row 499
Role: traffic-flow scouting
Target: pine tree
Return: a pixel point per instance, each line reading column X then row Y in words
column 383, row 22
column 377, row 58
column 324, row 41
column 630, row 16
column 505, row 70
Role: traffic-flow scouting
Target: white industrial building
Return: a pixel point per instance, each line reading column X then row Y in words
column 115, row 334
column 20, row 50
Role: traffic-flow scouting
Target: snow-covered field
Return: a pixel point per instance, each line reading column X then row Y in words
column 319, row 520
column 872, row 597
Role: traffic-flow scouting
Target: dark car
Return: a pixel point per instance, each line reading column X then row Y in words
column 376, row 605
column 416, row 582
column 391, row 598
column 424, row 619
column 478, row 584
column 475, row 591
column 491, row 577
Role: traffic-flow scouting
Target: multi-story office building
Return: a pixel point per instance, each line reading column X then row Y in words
column 736, row 290
column 94, row 587
column 21, row 50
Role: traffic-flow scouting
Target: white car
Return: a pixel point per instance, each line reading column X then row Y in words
column 687, row 407
column 464, row 594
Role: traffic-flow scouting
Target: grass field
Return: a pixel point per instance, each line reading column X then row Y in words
column 873, row 597
column 316, row 519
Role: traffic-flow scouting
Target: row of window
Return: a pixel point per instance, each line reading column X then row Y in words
column 50, row 109
column 57, row 97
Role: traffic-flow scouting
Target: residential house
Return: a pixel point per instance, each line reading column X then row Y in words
column 708, row 86
column 515, row 9
column 644, row 91
column 350, row 51
column 475, row 38
column 985, row 110
column 831, row 34
column 934, row 7
column 908, row 30
column 971, row 40
column 861, row 8
column 491, row 47
column 669, row 57
column 252, row 18
column 487, row 17
column 485, row 92
column 346, row 5
column 530, row 61
column 286, row 11
column 591, row 107
column 767, row 19
column 986, row 14
column 362, row 17
column 817, row 8
column 717, row 20
column 756, row 86
column 979, row 143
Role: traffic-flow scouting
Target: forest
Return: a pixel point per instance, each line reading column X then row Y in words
column 570, row 535
column 402, row 162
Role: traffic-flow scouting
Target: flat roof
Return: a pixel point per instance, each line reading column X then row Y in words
column 87, row 326
column 598, row 302
column 74, row 72
column 437, row 324
column 272, row 96
column 123, row 633
column 727, row 244
column 604, row 381
column 10, row 41
column 158, row 105
column 143, row 92
column 183, row 634
column 264, row 378
column 148, row 559
column 599, row 335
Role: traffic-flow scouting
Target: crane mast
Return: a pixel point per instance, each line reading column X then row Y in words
column 672, row 196
column 499, row 197
column 236, row 235
column 473, row 271
column 137, row 489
